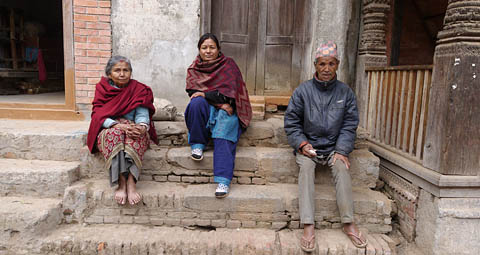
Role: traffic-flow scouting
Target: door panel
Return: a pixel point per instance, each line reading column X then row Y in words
column 278, row 69
column 266, row 38
column 234, row 23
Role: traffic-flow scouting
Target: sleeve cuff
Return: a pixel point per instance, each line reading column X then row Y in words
column 301, row 145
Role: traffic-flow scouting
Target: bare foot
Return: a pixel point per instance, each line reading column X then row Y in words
column 121, row 191
column 133, row 196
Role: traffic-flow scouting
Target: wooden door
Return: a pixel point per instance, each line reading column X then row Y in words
column 266, row 38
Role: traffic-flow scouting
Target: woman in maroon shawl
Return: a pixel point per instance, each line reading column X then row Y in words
column 121, row 126
column 219, row 108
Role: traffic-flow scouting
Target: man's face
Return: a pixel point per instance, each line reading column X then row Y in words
column 326, row 68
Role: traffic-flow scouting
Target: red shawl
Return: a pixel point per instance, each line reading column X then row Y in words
column 221, row 74
column 112, row 102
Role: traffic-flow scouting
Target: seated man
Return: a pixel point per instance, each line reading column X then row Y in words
column 321, row 122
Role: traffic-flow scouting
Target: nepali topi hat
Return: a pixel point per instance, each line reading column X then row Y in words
column 328, row 49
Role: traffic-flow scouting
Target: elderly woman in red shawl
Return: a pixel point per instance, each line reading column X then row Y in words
column 121, row 126
column 219, row 108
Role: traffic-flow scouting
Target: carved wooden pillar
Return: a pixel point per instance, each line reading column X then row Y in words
column 372, row 49
column 453, row 128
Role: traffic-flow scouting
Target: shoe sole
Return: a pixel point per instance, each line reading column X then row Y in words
column 197, row 159
column 222, row 196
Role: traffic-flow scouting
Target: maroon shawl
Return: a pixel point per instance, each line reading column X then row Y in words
column 221, row 74
column 112, row 102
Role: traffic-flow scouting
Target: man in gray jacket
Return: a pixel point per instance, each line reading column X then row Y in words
column 321, row 122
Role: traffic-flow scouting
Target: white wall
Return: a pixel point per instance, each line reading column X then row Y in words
column 160, row 38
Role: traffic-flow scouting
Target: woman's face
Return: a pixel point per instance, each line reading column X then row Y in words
column 120, row 74
column 208, row 50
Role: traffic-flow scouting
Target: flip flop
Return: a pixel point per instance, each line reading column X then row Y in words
column 305, row 248
column 354, row 238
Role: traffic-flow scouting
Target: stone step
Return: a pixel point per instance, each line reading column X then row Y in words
column 253, row 165
column 273, row 206
column 65, row 140
column 135, row 239
column 45, row 140
column 24, row 219
column 38, row 178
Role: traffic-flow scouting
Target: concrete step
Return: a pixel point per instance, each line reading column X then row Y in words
column 24, row 219
column 253, row 165
column 273, row 206
column 135, row 239
column 38, row 178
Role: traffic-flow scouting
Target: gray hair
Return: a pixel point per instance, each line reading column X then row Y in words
column 115, row 60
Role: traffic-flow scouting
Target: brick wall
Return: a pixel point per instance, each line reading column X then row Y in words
column 92, row 33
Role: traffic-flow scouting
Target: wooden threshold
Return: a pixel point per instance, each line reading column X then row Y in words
column 40, row 114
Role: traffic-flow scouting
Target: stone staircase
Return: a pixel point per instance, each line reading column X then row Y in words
column 57, row 199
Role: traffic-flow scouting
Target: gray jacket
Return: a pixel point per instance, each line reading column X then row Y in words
column 324, row 114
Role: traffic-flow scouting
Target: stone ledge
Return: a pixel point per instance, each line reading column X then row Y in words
column 259, row 206
column 38, row 178
column 134, row 239
column 253, row 165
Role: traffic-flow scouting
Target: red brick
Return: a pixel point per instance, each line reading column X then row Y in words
column 83, row 31
column 90, row 46
column 83, row 100
column 85, row 17
column 104, row 18
column 99, row 25
column 80, row 52
column 93, row 67
column 88, row 74
column 80, row 80
column 78, row 9
column 105, row 46
column 79, row 38
column 104, row 32
column 92, row 81
column 81, row 93
column 91, row 93
column 79, row 24
column 90, row 3
column 98, row 53
column 82, row 67
column 86, row 60
column 103, row 61
column 101, row 11
column 99, row 39
column 104, row 4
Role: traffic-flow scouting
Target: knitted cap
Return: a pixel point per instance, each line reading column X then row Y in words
column 328, row 49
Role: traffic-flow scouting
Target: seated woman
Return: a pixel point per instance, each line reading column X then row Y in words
column 219, row 108
column 121, row 126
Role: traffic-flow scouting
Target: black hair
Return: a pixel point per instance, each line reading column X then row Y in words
column 208, row 36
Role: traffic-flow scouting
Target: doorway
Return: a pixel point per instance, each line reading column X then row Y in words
column 36, row 60
column 266, row 38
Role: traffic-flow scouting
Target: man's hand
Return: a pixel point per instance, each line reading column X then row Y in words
column 308, row 151
column 345, row 160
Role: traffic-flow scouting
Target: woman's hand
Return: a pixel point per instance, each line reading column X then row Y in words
column 136, row 131
column 198, row 94
column 227, row 107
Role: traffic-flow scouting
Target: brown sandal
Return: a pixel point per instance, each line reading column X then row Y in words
column 354, row 238
column 304, row 241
